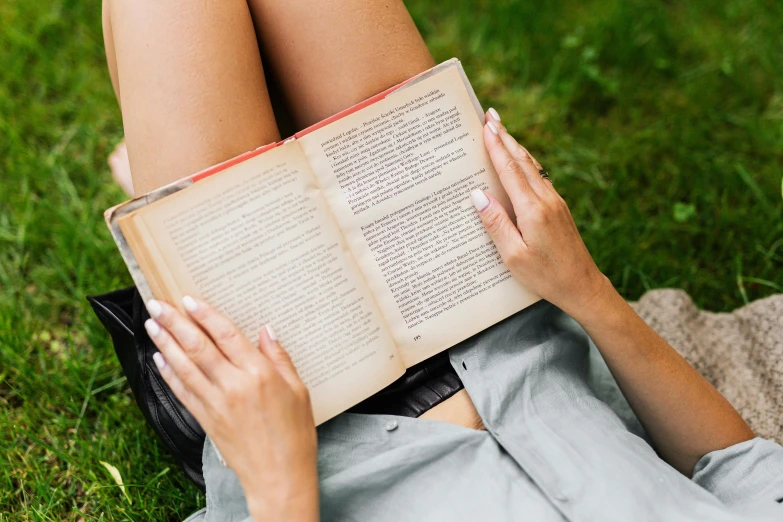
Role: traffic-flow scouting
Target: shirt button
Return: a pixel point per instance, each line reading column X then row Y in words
column 391, row 425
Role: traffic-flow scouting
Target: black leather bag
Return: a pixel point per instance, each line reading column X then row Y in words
column 123, row 313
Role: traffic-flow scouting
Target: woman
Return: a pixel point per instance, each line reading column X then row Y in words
column 533, row 436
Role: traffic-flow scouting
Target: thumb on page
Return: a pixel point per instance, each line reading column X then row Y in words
column 501, row 229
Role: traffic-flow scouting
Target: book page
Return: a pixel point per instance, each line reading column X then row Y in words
column 398, row 175
column 259, row 243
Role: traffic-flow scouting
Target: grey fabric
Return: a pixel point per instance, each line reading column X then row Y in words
column 561, row 444
column 744, row 473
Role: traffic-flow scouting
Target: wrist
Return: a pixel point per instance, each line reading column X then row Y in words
column 597, row 301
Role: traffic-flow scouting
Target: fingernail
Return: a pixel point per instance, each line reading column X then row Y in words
column 160, row 362
column 152, row 327
column 154, row 308
column 494, row 113
column 271, row 332
column 492, row 127
column 190, row 304
column 479, row 199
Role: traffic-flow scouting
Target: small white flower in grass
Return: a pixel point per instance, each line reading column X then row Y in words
column 115, row 473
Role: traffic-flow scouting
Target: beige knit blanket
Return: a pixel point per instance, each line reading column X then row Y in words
column 740, row 353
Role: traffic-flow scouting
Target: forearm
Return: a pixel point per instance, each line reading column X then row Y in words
column 683, row 414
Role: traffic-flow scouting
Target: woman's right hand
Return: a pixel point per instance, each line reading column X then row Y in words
column 250, row 401
column 542, row 248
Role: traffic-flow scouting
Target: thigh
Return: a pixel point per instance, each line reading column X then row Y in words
column 108, row 46
column 329, row 54
column 191, row 84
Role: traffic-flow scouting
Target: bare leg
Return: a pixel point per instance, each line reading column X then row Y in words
column 363, row 48
column 118, row 159
column 330, row 54
column 190, row 82
column 108, row 46
column 120, row 168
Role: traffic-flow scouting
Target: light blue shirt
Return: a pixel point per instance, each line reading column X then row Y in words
column 561, row 444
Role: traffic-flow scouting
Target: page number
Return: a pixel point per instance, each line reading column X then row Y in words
column 417, row 338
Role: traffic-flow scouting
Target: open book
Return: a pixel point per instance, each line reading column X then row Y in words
column 355, row 239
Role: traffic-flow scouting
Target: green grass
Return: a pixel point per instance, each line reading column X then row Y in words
column 661, row 123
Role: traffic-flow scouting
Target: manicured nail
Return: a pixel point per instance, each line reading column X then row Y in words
column 271, row 332
column 160, row 362
column 190, row 304
column 479, row 199
column 154, row 308
column 492, row 127
column 152, row 327
column 494, row 114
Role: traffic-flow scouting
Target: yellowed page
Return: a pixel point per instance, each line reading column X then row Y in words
column 258, row 242
column 398, row 175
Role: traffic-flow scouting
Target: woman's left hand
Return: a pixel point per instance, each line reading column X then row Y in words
column 249, row 400
column 685, row 416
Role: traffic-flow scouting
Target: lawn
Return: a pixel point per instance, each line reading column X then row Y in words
column 661, row 123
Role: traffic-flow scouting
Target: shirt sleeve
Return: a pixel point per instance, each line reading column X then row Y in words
column 748, row 472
